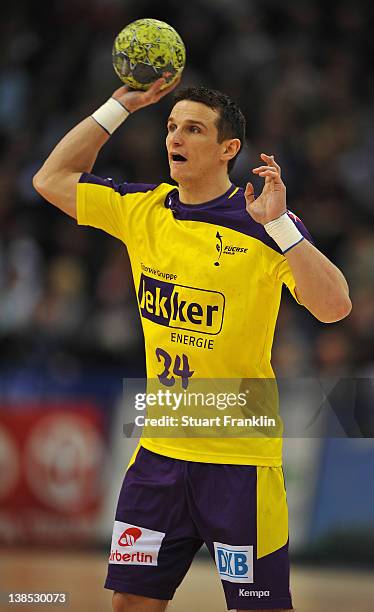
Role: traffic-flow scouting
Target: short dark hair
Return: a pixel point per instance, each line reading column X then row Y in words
column 231, row 122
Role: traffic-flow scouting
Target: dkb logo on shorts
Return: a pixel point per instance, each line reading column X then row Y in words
column 181, row 307
column 234, row 563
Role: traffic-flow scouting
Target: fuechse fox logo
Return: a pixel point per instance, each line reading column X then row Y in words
column 130, row 536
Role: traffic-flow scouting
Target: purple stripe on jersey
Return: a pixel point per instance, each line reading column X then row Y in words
column 122, row 188
column 230, row 213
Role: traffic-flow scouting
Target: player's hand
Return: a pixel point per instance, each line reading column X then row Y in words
column 271, row 204
column 132, row 100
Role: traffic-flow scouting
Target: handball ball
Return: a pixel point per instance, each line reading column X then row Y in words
column 146, row 50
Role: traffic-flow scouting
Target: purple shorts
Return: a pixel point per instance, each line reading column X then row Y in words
column 168, row 508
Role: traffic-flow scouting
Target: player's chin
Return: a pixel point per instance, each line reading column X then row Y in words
column 177, row 172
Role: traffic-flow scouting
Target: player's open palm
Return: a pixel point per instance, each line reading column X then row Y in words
column 271, row 203
column 132, row 100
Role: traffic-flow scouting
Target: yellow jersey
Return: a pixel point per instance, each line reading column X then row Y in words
column 208, row 280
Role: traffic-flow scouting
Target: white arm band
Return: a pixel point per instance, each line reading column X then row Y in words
column 284, row 232
column 110, row 115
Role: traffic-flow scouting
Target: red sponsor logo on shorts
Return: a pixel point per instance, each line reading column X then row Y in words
column 138, row 558
column 130, row 536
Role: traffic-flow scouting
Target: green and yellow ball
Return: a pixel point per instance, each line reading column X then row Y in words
column 146, row 50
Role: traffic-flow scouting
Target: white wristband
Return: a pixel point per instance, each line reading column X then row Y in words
column 110, row 115
column 284, row 232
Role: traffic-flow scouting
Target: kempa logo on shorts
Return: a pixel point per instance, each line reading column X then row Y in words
column 259, row 594
column 234, row 563
column 141, row 545
column 181, row 307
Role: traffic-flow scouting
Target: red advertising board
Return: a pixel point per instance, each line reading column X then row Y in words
column 52, row 458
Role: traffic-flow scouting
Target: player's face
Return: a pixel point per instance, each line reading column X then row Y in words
column 191, row 142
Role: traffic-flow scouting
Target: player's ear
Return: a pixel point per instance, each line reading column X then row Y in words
column 230, row 148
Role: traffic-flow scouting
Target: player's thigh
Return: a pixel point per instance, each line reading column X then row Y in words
column 241, row 513
column 125, row 602
column 154, row 538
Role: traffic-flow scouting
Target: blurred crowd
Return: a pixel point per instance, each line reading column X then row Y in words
column 301, row 72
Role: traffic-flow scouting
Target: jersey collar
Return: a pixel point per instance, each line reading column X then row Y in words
column 173, row 201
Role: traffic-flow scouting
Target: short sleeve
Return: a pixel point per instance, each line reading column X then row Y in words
column 285, row 276
column 103, row 204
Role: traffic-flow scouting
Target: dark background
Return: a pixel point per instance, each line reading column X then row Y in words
column 302, row 73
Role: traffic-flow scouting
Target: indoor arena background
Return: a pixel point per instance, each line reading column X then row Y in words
column 69, row 329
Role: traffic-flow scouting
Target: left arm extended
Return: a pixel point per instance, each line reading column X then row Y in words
column 320, row 285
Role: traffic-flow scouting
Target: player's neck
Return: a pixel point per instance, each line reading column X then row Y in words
column 196, row 193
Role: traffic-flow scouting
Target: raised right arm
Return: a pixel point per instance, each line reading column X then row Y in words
column 76, row 153
column 57, row 179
